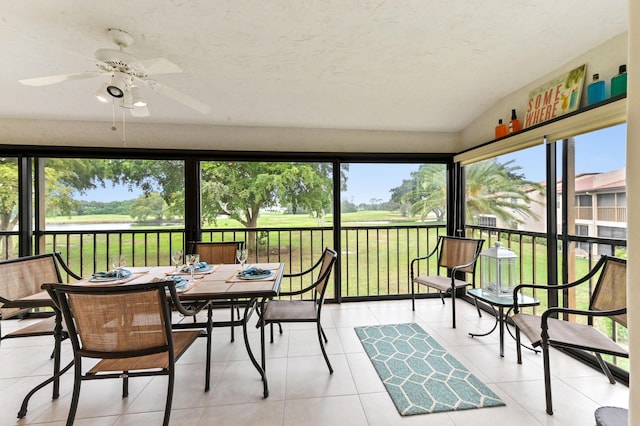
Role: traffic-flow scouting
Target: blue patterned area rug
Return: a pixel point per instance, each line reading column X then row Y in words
column 420, row 376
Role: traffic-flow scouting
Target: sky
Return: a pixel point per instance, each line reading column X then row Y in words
column 600, row 151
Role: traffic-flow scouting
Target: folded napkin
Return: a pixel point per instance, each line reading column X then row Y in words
column 199, row 266
column 181, row 282
column 124, row 273
column 178, row 278
column 254, row 271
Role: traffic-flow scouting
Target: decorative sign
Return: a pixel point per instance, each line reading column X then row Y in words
column 555, row 98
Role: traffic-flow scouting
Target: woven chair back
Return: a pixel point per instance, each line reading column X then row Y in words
column 459, row 251
column 611, row 289
column 217, row 252
column 328, row 260
column 23, row 277
column 118, row 323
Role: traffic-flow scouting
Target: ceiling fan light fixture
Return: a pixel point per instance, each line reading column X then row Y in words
column 138, row 99
column 118, row 85
column 102, row 95
column 127, row 100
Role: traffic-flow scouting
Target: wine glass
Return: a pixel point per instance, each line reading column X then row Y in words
column 192, row 261
column 242, row 255
column 176, row 258
column 118, row 262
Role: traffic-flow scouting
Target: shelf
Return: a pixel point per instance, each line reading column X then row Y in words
column 594, row 117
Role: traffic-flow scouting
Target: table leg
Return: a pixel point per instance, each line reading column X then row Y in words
column 495, row 314
column 260, row 367
column 57, row 372
column 207, row 380
column 514, row 338
column 501, row 320
column 263, row 356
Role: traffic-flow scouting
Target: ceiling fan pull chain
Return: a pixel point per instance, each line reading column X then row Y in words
column 113, row 116
column 123, row 128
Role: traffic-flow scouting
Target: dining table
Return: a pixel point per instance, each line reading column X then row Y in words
column 210, row 283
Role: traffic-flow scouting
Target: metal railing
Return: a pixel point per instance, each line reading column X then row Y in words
column 374, row 260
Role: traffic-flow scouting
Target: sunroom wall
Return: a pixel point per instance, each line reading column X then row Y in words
column 603, row 59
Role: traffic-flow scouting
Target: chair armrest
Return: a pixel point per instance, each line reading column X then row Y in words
column 455, row 268
column 171, row 285
column 311, row 286
column 556, row 287
column 66, row 268
column 584, row 312
column 296, row 292
column 299, row 274
column 417, row 259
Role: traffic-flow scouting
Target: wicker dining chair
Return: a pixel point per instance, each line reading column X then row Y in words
column 303, row 310
column 214, row 252
column 609, row 299
column 127, row 328
column 455, row 255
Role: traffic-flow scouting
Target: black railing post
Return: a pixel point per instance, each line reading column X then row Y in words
column 455, row 200
column 552, row 225
column 337, row 228
column 192, row 201
column 25, row 206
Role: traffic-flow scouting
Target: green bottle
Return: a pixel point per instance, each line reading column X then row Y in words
column 619, row 82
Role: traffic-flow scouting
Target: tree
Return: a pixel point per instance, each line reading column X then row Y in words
column 499, row 189
column 491, row 188
column 63, row 178
column 8, row 193
column 146, row 206
column 241, row 189
column 164, row 177
column 236, row 189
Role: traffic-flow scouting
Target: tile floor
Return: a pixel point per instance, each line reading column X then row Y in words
column 301, row 390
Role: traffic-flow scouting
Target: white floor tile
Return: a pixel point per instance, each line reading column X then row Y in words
column 302, row 392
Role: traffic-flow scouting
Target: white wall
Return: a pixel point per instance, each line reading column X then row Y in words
column 603, row 59
column 633, row 200
column 164, row 136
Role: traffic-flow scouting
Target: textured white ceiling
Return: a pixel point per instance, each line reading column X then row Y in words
column 411, row 65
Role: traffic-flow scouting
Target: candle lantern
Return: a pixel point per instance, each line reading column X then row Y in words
column 499, row 270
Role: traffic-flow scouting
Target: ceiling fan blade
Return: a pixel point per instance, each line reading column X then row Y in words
column 160, row 66
column 176, row 95
column 54, row 79
column 141, row 111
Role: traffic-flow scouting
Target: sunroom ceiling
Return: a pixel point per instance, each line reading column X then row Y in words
column 409, row 65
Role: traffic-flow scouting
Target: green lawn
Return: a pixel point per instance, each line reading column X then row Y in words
column 375, row 261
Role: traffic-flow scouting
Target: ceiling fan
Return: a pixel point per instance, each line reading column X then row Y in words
column 126, row 75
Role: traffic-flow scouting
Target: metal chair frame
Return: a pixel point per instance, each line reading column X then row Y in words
column 123, row 351
column 554, row 332
column 279, row 311
column 455, row 264
column 218, row 252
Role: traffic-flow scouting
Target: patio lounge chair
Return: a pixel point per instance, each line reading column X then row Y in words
column 609, row 299
column 456, row 255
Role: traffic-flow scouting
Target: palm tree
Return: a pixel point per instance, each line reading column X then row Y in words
column 492, row 188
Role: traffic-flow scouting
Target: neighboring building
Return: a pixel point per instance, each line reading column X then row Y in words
column 601, row 206
column 600, row 203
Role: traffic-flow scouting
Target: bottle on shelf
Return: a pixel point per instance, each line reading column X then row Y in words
column 514, row 124
column 596, row 90
column 619, row 82
column 501, row 129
